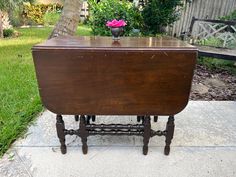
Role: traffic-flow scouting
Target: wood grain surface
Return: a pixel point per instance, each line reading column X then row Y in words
column 92, row 78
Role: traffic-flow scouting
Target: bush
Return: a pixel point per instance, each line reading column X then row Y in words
column 211, row 41
column 16, row 19
column 8, row 32
column 214, row 63
column 35, row 13
column 51, row 18
column 231, row 16
column 158, row 14
column 106, row 10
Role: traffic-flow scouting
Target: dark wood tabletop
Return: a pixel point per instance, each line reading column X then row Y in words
column 98, row 42
column 99, row 76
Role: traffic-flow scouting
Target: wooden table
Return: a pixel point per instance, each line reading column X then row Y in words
column 97, row 76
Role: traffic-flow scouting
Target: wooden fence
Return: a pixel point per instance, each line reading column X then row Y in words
column 210, row 9
column 84, row 11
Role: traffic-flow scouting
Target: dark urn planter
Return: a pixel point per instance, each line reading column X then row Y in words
column 117, row 32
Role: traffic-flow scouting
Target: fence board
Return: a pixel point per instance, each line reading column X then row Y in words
column 211, row 9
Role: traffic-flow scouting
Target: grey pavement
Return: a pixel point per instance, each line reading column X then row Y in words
column 204, row 145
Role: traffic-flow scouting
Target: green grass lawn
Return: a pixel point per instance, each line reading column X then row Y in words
column 214, row 64
column 19, row 98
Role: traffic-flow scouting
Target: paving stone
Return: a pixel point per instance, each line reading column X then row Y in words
column 129, row 162
column 11, row 165
column 201, row 123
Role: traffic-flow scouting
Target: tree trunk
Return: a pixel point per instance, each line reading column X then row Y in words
column 67, row 25
column 1, row 25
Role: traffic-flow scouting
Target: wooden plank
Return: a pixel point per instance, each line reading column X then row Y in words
column 223, row 10
column 214, row 7
column 190, row 12
column 201, row 10
column 214, row 52
column 183, row 27
column 228, row 22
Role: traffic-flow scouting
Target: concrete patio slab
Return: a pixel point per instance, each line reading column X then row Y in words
column 204, row 144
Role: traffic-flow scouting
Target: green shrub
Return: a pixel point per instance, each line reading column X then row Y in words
column 8, row 32
column 34, row 13
column 211, row 41
column 158, row 14
column 106, row 10
column 216, row 42
column 51, row 18
column 231, row 16
column 15, row 18
column 214, row 63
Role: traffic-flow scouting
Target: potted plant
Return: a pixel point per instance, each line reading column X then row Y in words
column 117, row 28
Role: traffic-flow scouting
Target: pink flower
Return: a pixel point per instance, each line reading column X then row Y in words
column 116, row 23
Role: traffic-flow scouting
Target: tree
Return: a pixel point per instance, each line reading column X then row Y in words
column 68, row 22
column 158, row 14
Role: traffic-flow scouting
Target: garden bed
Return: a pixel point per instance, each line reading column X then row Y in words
column 213, row 84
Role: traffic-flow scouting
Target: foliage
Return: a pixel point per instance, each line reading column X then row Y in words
column 51, row 18
column 35, row 12
column 10, row 5
column 8, row 32
column 15, row 17
column 216, row 42
column 107, row 10
column 231, row 16
column 213, row 63
column 211, row 41
column 158, row 14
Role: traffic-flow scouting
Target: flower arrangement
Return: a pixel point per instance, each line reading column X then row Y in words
column 116, row 23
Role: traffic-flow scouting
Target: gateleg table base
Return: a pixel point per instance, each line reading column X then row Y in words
column 86, row 128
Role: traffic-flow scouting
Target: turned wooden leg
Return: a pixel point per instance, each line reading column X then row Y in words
column 146, row 134
column 83, row 134
column 93, row 118
column 76, row 118
column 170, row 126
column 90, row 117
column 139, row 118
column 155, row 118
column 60, row 133
column 87, row 119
